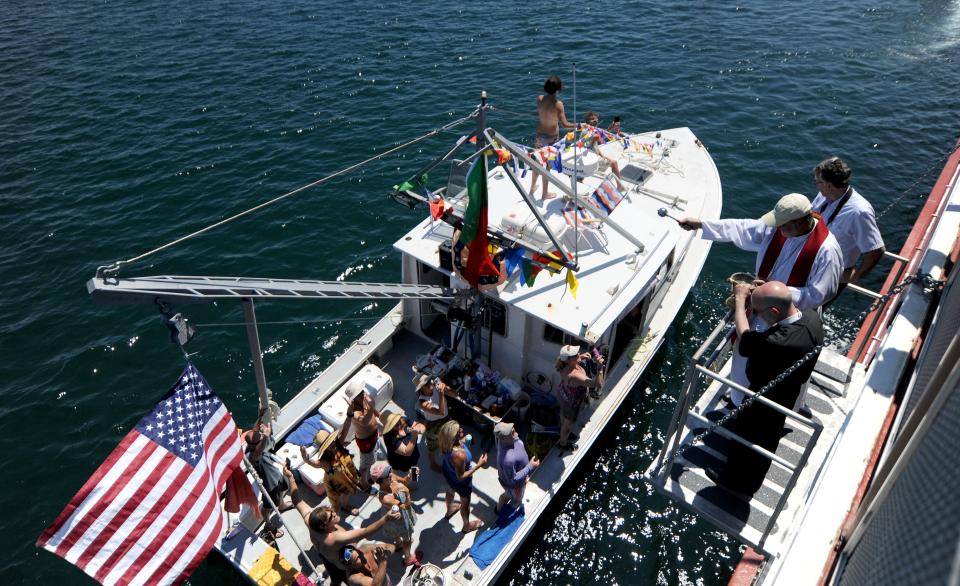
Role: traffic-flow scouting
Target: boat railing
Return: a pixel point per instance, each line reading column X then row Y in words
column 703, row 371
column 901, row 265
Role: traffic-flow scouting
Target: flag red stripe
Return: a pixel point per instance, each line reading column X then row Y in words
column 228, row 469
column 192, row 493
column 222, row 449
column 205, row 546
column 210, row 504
column 206, row 528
column 146, row 521
column 132, row 505
column 88, row 486
column 105, row 500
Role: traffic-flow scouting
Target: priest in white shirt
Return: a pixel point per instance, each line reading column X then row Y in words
column 850, row 218
column 792, row 245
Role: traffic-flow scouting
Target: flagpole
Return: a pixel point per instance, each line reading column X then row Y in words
column 273, row 507
column 482, row 121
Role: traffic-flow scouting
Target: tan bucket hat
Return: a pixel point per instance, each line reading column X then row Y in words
column 324, row 439
column 389, row 420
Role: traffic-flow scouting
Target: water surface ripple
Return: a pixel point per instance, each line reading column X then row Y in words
column 126, row 124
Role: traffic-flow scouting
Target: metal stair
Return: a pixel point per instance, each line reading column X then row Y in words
column 756, row 521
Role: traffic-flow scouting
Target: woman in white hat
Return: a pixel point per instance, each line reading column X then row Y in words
column 572, row 390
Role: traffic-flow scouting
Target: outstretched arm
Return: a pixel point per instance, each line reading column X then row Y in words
column 302, row 507
column 355, row 535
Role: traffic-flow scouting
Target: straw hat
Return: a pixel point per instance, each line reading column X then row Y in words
column 389, row 420
column 324, row 439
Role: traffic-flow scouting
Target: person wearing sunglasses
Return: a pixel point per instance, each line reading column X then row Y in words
column 367, row 564
column 328, row 535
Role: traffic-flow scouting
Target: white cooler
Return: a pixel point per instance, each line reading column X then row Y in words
column 312, row 477
column 375, row 382
column 587, row 162
column 520, row 222
column 291, row 452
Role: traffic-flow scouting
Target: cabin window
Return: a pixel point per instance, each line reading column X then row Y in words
column 558, row 336
column 495, row 316
column 457, row 178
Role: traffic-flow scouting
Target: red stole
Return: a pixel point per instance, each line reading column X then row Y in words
column 804, row 263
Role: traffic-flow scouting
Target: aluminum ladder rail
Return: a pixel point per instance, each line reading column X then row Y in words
column 700, row 373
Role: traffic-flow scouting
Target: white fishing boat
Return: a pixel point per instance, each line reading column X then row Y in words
column 863, row 485
column 613, row 275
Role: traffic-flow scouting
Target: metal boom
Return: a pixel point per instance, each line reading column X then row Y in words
column 194, row 289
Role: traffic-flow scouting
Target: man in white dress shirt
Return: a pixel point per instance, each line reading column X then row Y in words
column 792, row 246
column 850, row 217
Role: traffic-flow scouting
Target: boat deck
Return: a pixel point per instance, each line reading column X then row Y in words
column 828, row 405
column 440, row 539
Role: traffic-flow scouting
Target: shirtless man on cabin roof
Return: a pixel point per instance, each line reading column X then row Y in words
column 551, row 114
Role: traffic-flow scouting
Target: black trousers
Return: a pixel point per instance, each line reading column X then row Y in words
column 760, row 425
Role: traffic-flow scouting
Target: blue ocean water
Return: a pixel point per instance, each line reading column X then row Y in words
column 126, row 124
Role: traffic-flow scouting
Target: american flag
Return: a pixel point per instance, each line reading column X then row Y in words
column 151, row 511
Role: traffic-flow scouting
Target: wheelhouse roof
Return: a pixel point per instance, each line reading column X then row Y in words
column 612, row 274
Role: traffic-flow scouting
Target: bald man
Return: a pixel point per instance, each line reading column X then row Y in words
column 791, row 335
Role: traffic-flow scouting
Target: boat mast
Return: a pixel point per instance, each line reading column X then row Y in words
column 253, row 338
column 476, row 349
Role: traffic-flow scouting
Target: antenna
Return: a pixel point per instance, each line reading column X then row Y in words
column 573, row 177
column 574, row 91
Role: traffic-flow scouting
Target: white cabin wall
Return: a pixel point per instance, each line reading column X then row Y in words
column 508, row 352
column 541, row 355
